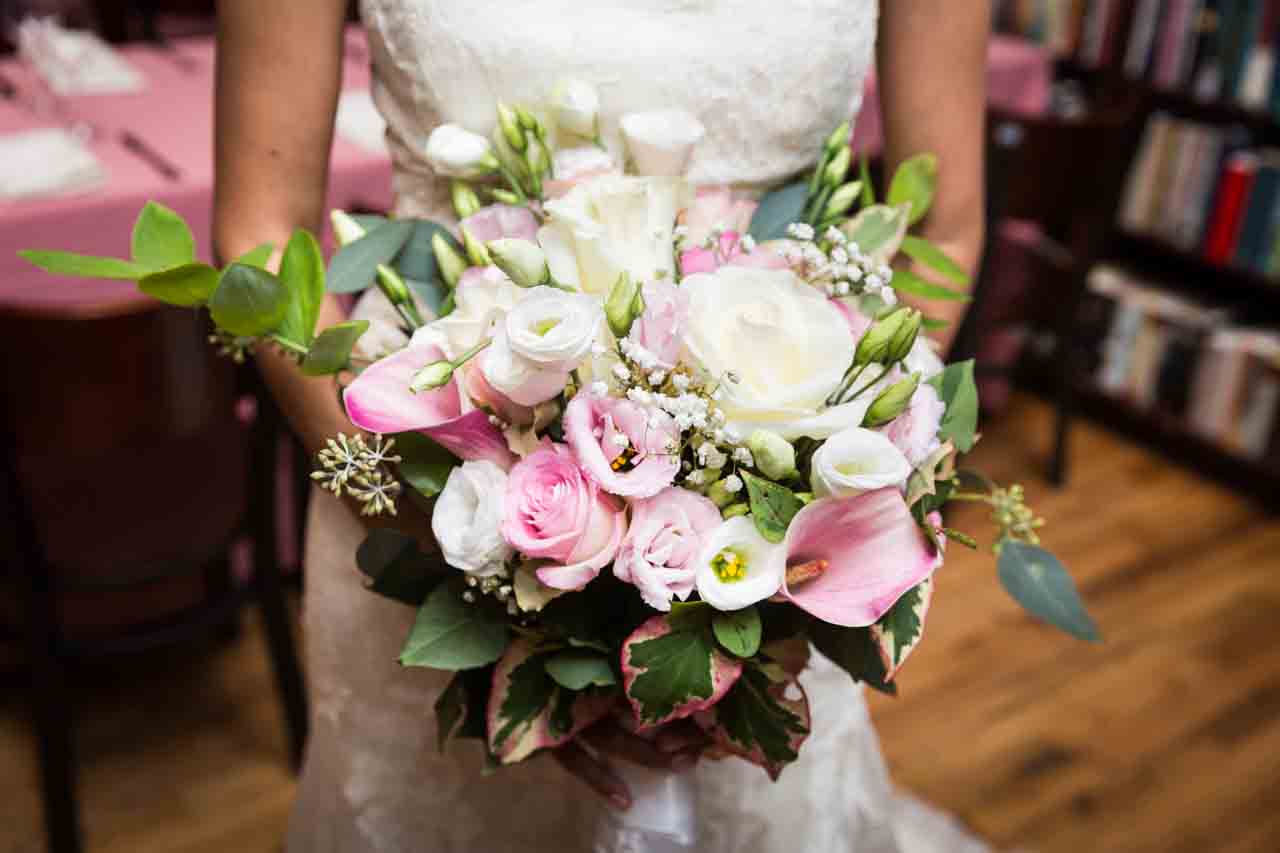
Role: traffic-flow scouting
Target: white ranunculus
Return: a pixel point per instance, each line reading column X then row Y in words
column 455, row 152
column 737, row 567
column 613, row 224
column 483, row 297
column 576, row 107
column 777, row 345
column 661, row 142
column 854, row 461
column 467, row 520
column 543, row 338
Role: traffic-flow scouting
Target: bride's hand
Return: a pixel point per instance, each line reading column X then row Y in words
column 675, row 747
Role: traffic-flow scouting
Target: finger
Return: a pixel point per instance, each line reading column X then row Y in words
column 596, row 773
column 612, row 740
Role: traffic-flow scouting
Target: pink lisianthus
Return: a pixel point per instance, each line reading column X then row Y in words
column 658, row 328
column 555, row 512
column 502, row 221
column 627, row 449
column 659, row 554
column 915, row 431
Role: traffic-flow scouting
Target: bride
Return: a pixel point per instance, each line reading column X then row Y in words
column 768, row 80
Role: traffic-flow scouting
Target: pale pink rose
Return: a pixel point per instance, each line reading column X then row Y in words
column 626, row 448
column 915, row 431
column 658, row 328
column 729, row 252
column 576, row 165
column 502, row 221
column 555, row 512
column 659, row 552
column 716, row 208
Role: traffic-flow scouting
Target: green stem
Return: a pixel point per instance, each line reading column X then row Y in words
column 513, row 182
column 471, row 353
column 972, row 497
column 883, row 372
column 285, row 343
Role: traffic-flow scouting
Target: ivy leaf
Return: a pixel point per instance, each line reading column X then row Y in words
column 853, row 650
column 450, row 708
column 956, row 388
column 302, row 273
column 919, row 249
column 186, row 285
column 914, row 182
column 777, row 210
column 757, row 721
column 354, row 265
column 452, row 634
column 1039, row 582
column 738, row 632
column 577, row 670
column 331, row 351
column 424, row 464
column 772, row 506
column 83, row 266
column 396, row 567
column 672, row 669
column 248, row 301
column 878, row 230
column 258, row 256
column 905, row 281
column 161, row 238
column 899, row 630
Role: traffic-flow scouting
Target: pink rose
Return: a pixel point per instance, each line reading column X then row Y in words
column 625, row 448
column 554, row 512
column 659, row 552
column 915, row 431
column 716, row 208
column 501, row 221
column 658, row 328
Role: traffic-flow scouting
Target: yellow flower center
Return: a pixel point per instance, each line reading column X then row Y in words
column 543, row 326
column 730, row 565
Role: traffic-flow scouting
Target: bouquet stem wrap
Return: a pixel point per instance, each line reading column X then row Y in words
column 662, row 817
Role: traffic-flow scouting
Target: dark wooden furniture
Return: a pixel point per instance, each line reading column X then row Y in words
column 130, row 469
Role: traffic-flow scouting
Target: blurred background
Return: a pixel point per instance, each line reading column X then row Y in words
column 1126, row 327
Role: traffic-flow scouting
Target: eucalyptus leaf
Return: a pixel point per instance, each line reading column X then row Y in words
column 161, row 238
column 84, row 266
column 956, row 388
column 772, row 506
column 1039, row 582
column 452, row 634
column 424, row 465
column 248, row 301
column 417, row 260
column 738, row 632
column 777, row 210
column 302, row 272
column 907, row 282
column 259, row 256
column 915, row 181
column 578, row 670
column 189, row 284
column 331, row 351
column 354, row 265
column 878, row 231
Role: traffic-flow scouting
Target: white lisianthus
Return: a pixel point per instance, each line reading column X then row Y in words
column 661, row 141
column 923, row 359
column 456, row 152
column 737, row 567
column 467, row 520
column 778, row 347
column 854, row 461
column 576, row 107
column 543, row 338
column 482, row 297
column 613, row 224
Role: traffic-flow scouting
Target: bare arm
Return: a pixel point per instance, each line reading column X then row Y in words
column 932, row 57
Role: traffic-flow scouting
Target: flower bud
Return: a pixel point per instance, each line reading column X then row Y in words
column 734, row 510
column 842, row 200
column 873, row 347
column 838, row 139
column 510, row 125
column 523, row 261
column 505, row 196
column 451, row 264
column 838, row 168
column 773, row 454
column 575, row 105
column 528, row 121
column 891, row 402
column 465, row 200
column 620, row 307
column 393, row 286
column 720, row 495
column 538, row 160
column 904, row 338
column 476, row 252
column 455, row 152
column 435, row 375
column 345, row 229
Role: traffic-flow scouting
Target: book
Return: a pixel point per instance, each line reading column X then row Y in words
column 1253, row 249
column 1142, row 37
column 1223, row 228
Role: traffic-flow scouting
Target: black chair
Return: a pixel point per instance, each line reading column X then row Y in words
column 127, row 476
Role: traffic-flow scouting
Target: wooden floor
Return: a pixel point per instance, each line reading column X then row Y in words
column 1165, row 738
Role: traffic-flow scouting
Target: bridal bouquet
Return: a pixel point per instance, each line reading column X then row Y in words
column 668, row 438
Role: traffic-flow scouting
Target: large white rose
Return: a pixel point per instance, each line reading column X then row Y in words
column 543, row 338
column 857, row 460
column 467, row 520
column 613, row 224
column 786, row 345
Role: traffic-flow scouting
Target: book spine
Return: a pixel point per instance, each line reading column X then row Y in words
column 1254, row 230
column 1224, row 223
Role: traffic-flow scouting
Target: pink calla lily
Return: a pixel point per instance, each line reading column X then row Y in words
column 379, row 400
column 874, row 552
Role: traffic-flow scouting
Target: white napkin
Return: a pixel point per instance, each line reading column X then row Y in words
column 360, row 123
column 75, row 62
column 48, row 161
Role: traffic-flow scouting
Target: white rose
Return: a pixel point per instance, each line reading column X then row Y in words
column 786, row 345
column 576, row 106
column 854, row 461
column 737, row 567
column 661, row 141
column 613, row 224
column 483, row 297
column 455, row 152
column 467, row 519
column 543, row 338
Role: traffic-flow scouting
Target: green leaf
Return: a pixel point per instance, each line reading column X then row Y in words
column 354, row 266
column 919, row 249
column 956, row 388
column 161, row 239
column 673, row 669
column 878, row 230
column 739, row 631
column 424, row 464
column 930, row 324
column 83, row 266
column 189, row 284
column 258, row 256
column 577, row 670
column 248, row 301
column 907, row 282
column 864, row 175
column 853, row 650
column 331, row 351
column 772, row 506
column 416, row 263
column 1039, row 582
column 450, row 708
column 529, row 689
column 903, row 623
column 777, row 210
column 452, row 634
column 302, row 272
column 396, row 567
column 761, row 727
column 914, row 182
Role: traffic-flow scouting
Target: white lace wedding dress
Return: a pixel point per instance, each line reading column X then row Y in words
column 769, row 80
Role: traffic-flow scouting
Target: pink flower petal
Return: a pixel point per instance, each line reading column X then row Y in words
column 579, row 574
